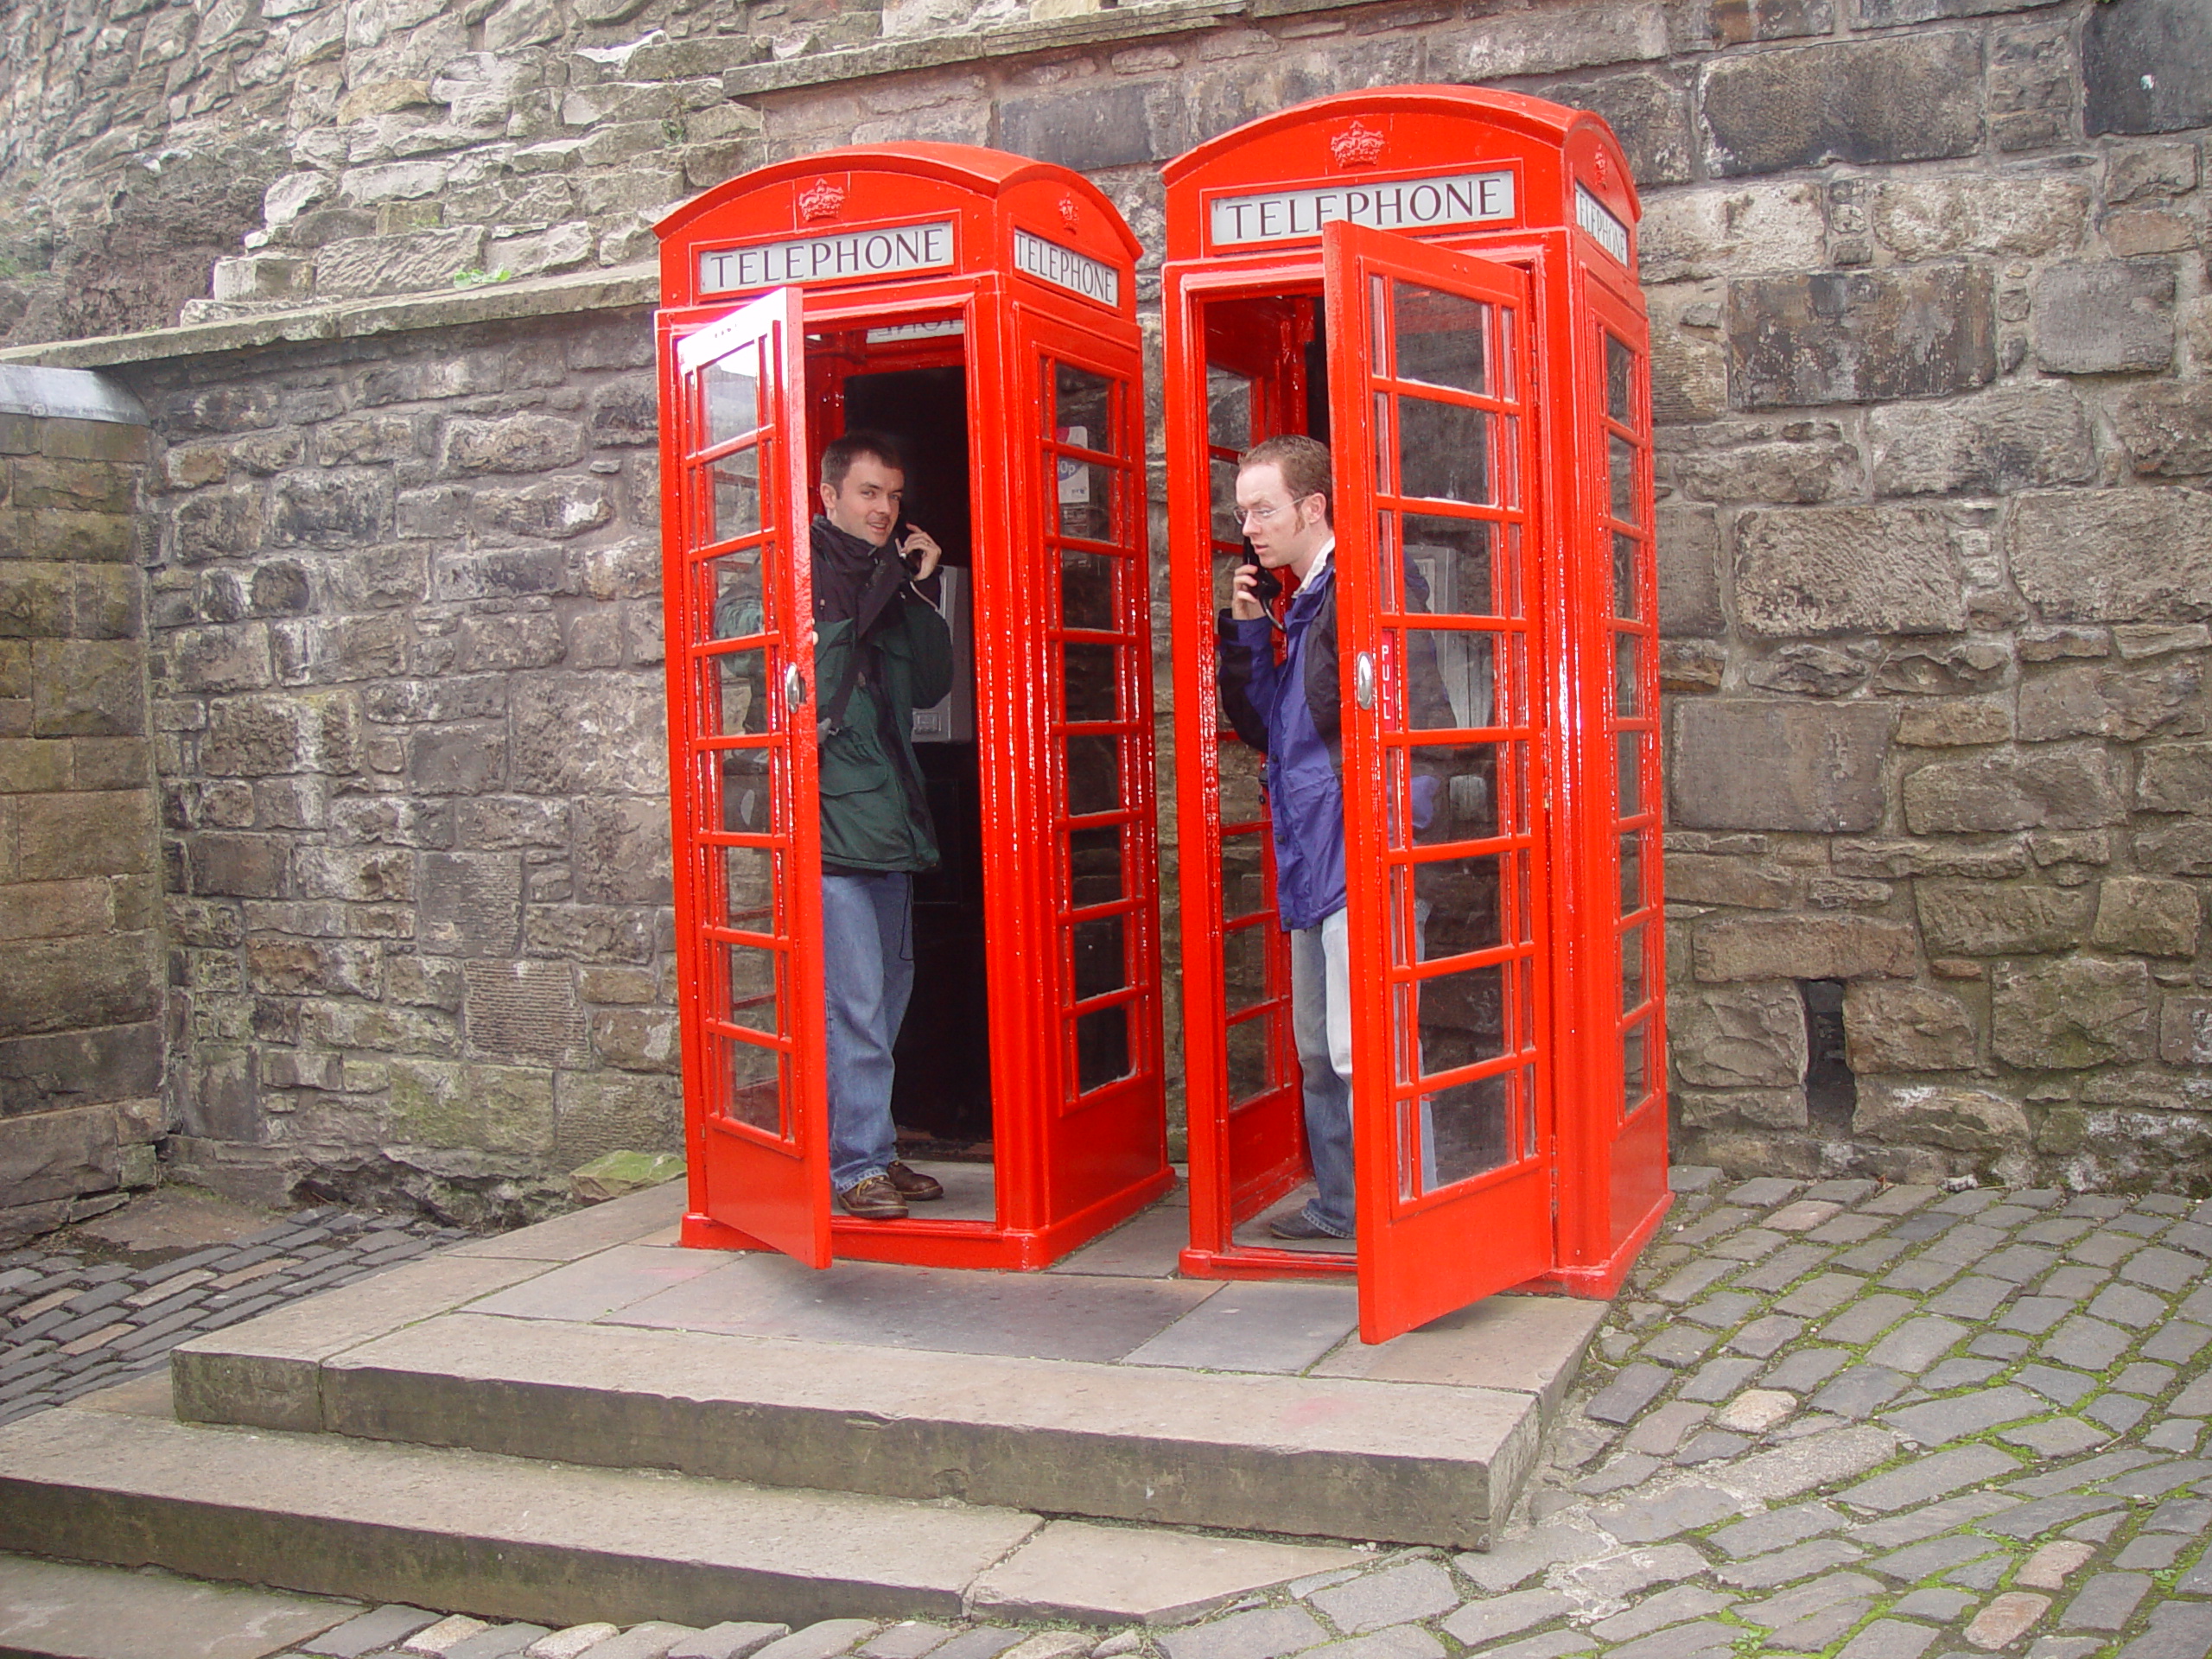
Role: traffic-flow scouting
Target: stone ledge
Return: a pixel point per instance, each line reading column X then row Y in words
column 1013, row 40
column 618, row 289
column 65, row 394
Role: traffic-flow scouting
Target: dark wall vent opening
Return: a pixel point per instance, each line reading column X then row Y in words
column 1831, row 1092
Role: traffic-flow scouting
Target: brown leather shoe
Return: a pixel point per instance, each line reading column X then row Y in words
column 914, row 1186
column 872, row 1199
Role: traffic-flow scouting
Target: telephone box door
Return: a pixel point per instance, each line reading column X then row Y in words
column 1445, row 828
column 742, row 737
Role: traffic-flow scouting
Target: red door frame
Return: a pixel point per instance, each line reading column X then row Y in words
column 1066, row 1168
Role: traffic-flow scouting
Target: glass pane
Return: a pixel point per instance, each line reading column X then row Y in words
column 1242, row 801
column 749, row 888
column 1083, row 408
column 1628, row 676
column 1229, row 409
column 1620, row 463
column 737, row 682
column 732, row 386
column 1631, row 873
column 1244, row 967
column 1442, row 339
column 736, row 606
column 1620, row 369
column 1087, row 680
column 745, row 798
column 1464, row 806
column 1527, row 914
column 1101, row 1046
column 1452, row 1020
column 1634, row 1083
column 753, row 989
column 1100, row 964
column 1095, row 865
column 1452, row 679
column 1251, row 1058
column 1086, row 590
column 756, row 1094
column 1625, row 586
column 1444, row 451
column 1630, row 777
column 1221, row 480
column 1243, row 877
column 1094, row 774
column 1457, row 907
column 1465, row 1129
column 734, row 482
column 1631, row 970
column 1086, row 496
column 1378, row 311
column 1448, row 566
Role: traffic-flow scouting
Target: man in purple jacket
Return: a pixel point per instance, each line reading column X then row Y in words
column 1285, row 493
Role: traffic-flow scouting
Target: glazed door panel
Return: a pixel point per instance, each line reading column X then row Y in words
column 742, row 745
column 1445, row 773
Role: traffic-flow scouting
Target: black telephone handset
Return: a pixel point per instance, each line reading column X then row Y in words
column 1266, row 587
column 900, row 529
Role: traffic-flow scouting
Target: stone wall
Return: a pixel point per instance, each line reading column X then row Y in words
column 1932, row 374
column 81, row 966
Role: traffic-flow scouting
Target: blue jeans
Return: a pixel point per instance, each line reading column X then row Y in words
column 1320, row 1013
column 867, row 972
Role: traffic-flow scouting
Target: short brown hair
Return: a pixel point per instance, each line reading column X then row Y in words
column 1305, row 466
column 837, row 460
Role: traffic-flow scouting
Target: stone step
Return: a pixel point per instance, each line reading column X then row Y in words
column 115, row 1480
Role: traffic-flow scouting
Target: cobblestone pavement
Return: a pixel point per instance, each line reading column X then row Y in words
column 92, row 1315
column 1869, row 1422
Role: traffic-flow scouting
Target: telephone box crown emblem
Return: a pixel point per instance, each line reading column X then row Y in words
column 1070, row 215
column 1356, row 146
column 821, row 200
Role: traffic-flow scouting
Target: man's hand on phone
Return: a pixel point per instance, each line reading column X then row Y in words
column 921, row 553
column 1252, row 587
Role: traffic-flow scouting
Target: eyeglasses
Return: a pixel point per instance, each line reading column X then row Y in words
column 1262, row 515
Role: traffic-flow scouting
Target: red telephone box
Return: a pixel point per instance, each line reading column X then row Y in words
column 979, row 308
column 1440, row 282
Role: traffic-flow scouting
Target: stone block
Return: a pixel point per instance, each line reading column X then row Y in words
column 2110, row 317
column 2062, row 788
column 1731, row 230
column 30, row 766
column 500, row 641
column 363, row 875
column 464, row 759
column 1802, row 947
column 2114, row 555
column 378, row 1028
column 585, row 735
column 2080, row 701
column 1848, row 569
column 1910, row 97
column 2027, row 215
column 622, row 852
column 1994, row 443
column 522, row 1010
column 216, row 524
column 56, row 985
column 1648, row 112
column 2148, row 915
column 58, row 1154
column 1944, row 669
column 1776, row 461
column 1763, row 764
column 1763, row 1108
column 2184, row 848
column 2167, row 428
column 1867, row 336
column 217, row 659
column 502, row 573
column 37, row 600
column 339, row 508
column 318, row 732
column 556, row 509
column 357, row 267
column 1939, row 1115
column 596, row 1113
column 471, row 904
column 1977, row 919
column 1085, row 127
column 98, row 833
column 2184, row 1030
column 1706, row 879
column 1738, row 1036
column 499, row 1109
column 287, row 967
column 53, row 909
column 1689, row 577
column 1894, row 1026
column 636, row 1040
column 589, row 933
column 2072, row 1013
column 2175, row 778
column 2149, row 70
column 239, row 866
column 88, row 688
column 82, row 1067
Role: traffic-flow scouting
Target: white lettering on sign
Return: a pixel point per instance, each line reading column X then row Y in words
column 898, row 331
column 1590, row 213
column 1064, row 268
column 1401, row 204
column 826, row 258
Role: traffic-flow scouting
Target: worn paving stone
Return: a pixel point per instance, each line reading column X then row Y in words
column 1788, row 1566
column 1941, row 1420
column 1663, row 1514
column 1397, row 1596
column 1936, row 1555
column 1805, row 1368
column 1669, row 1608
column 1931, row 1477
column 1264, row 1633
column 2106, row 1602
column 1860, row 1391
column 1778, row 1528
column 1490, row 1619
column 2006, row 1619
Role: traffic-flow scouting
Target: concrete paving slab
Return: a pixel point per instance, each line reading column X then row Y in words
column 566, row 1238
column 1340, row 1458
column 1115, row 1575
column 55, row 1610
column 500, row 1538
column 970, row 1191
column 601, row 1283
column 1282, row 1326
column 1531, row 1344
column 1041, row 1316
column 262, row 1371
column 1144, row 1246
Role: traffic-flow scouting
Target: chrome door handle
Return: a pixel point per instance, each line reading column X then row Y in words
column 794, row 687
column 1363, row 680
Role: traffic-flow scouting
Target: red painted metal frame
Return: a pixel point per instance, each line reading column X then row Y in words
column 1608, row 1172
column 1067, row 1166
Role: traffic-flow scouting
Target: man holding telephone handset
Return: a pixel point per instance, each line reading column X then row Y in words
column 881, row 650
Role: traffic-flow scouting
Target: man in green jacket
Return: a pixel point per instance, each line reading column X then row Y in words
column 881, row 650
